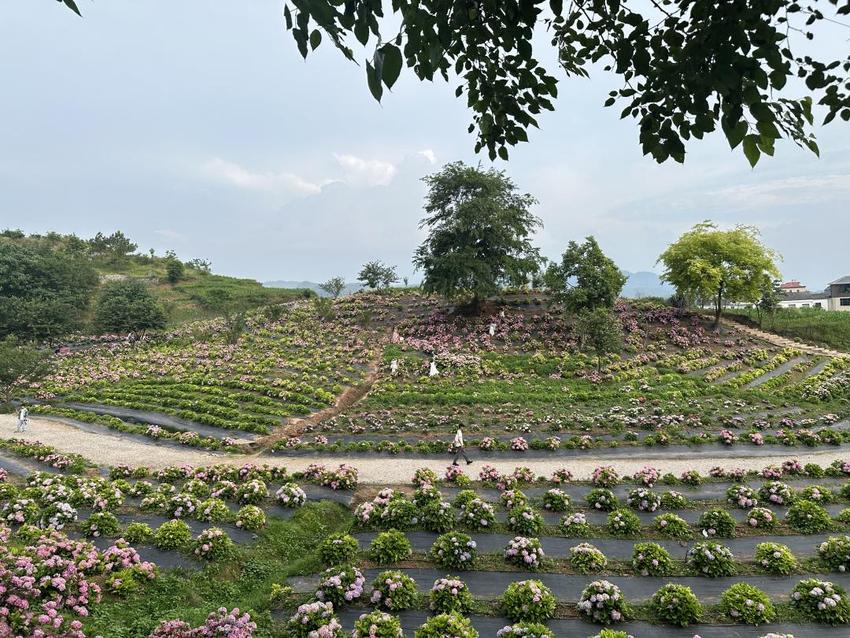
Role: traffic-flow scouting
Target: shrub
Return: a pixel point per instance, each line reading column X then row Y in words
column 525, row 630
column 775, row 559
column 437, row 517
column 251, row 518
column 525, row 521
column 451, row 594
column 673, row 526
column 605, row 476
column 575, row 525
column 673, row 500
column 556, row 500
column 761, row 518
column 290, row 495
column 513, row 498
column 477, row 515
column 644, row 500
column 377, row 624
column 454, row 550
column 425, row 494
column 314, row 619
column 587, row 559
column 650, row 559
column 340, row 585
column 528, row 601
column 711, row 559
column 601, row 499
column 808, row 518
column 718, row 523
column 821, row 601
column 394, row 591
column 442, row 625
column 138, row 534
column 747, row 604
column 691, row 477
column 623, row 523
column 612, row 633
column 101, row 524
column 817, row 494
column 524, row 552
column 843, row 516
column 338, row 549
column 602, row 602
column 834, row 552
column 213, row 510
column 463, row 497
column 172, row 535
column 676, row 604
column 423, row 476
column 399, row 513
column 212, row 544
column 742, row 496
column 390, row 547
column 252, row 492
column 776, row 493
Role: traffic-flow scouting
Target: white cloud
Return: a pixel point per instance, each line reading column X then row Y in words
column 167, row 233
column 363, row 172
column 785, row 192
column 429, row 155
column 238, row 176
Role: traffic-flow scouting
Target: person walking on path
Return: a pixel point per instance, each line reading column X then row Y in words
column 457, row 447
column 23, row 415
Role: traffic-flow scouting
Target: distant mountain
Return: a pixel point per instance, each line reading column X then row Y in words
column 645, row 284
column 311, row 285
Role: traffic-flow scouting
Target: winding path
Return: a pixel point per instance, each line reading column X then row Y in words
column 784, row 342
column 114, row 449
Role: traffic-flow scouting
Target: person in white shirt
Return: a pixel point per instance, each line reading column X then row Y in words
column 457, row 447
column 23, row 415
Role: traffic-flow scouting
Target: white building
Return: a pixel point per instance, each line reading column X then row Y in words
column 835, row 297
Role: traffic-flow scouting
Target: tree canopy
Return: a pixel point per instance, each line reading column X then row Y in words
column 722, row 265
column 683, row 68
column 19, row 361
column 599, row 331
column 479, row 233
column 377, row 274
column 585, row 279
column 43, row 293
column 125, row 306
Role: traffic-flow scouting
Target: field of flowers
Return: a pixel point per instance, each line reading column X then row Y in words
column 246, row 551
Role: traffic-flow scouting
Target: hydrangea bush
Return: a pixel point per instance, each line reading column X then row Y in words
column 676, row 605
column 808, row 518
column 834, row 552
column 775, row 558
column 454, row 550
column 443, row 625
column 744, row 603
column 314, row 620
column 575, row 525
column 394, row 591
column 340, row 585
column 377, row 624
column 338, row 549
column 390, row 547
column 528, row 601
column 673, row 526
column 821, row 601
column 650, row 559
column 451, row 594
column 717, row 523
column 711, row 559
column 587, row 559
column 602, row 602
column 524, row 552
column 623, row 523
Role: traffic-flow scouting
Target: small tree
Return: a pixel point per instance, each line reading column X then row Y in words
column 768, row 304
column 599, row 332
column 174, row 269
column 723, row 265
column 20, row 361
column 479, row 233
column 127, row 306
column 333, row 286
column 324, row 308
column 376, row 274
column 585, row 279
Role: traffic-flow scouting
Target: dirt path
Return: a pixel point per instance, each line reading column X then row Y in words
column 784, row 342
column 113, row 449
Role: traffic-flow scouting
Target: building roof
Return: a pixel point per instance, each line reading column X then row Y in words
column 803, row 296
column 791, row 284
column 844, row 280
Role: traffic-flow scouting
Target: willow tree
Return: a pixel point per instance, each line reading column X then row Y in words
column 722, row 265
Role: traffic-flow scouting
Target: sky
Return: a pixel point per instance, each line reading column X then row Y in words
column 196, row 126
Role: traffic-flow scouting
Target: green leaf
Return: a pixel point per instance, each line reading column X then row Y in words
column 391, row 65
column 361, row 32
column 751, row 149
column 315, row 39
column 73, row 7
column 557, row 6
column 736, row 134
column 287, row 17
column 374, row 81
column 768, row 129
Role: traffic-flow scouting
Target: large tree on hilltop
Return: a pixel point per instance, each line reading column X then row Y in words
column 722, row 265
column 479, row 233
column 125, row 306
column 585, row 278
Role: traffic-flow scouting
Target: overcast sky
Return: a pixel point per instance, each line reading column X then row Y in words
column 196, row 126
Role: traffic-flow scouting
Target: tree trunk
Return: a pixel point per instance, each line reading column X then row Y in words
column 718, row 308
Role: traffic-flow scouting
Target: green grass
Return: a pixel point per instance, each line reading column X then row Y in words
column 286, row 548
column 829, row 328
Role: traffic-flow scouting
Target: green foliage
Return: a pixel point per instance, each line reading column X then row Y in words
column 601, row 499
column 673, row 526
column 454, row 550
column 338, row 549
column 442, row 625
column 587, row 559
column 711, row 559
column 174, row 269
column 173, row 535
column 450, row 594
column 722, row 265
column 623, row 522
column 376, row 274
column 676, row 604
column 585, row 279
column 524, row 520
column 650, row 559
column 808, row 518
column 101, row 524
column 20, row 362
column 526, row 630
column 814, row 325
column 744, row 603
column 394, row 591
column 377, row 624
column 599, row 332
column 775, row 558
column 333, row 286
column 717, row 522
column 821, row 601
column 127, row 306
column 733, row 77
column 479, row 230
column 138, row 533
column 390, row 547
column 45, row 292
column 528, row 601
column 834, row 552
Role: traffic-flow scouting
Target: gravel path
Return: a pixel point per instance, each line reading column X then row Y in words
column 113, row 449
